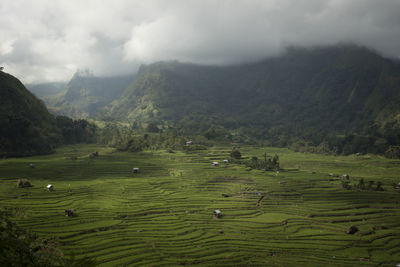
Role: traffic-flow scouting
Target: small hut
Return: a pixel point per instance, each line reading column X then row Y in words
column 69, row 213
column 225, row 161
column 352, row 230
column 21, row 183
column 32, row 165
column 217, row 214
column 189, row 143
column 50, row 187
column 215, row 163
column 346, row 176
column 135, row 170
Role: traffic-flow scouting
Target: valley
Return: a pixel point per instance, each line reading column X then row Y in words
column 163, row 215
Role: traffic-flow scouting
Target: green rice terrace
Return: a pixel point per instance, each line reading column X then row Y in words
column 163, row 215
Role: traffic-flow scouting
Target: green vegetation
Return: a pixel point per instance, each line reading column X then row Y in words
column 21, row 248
column 163, row 215
column 26, row 127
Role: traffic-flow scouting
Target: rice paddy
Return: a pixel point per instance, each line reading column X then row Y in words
column 163, row 215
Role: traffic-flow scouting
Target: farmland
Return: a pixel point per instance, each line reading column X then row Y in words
column 163, row 215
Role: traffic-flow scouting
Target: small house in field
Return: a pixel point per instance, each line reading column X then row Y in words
column 189, row 143
column 32, row 165
column 225, row 161
column 135, row 170
column 21, row 183
column 69, row 213
column 50, row 187
column 215, row 163
column 346, row 176
column 217, row 214
column 352, row 230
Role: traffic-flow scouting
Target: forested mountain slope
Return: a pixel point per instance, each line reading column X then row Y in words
column 311, row 94
column 85, row 94
column 26, row 127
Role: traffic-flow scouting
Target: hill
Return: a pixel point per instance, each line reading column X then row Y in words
column 26, row 127
column 85, row 94
column 317, row 95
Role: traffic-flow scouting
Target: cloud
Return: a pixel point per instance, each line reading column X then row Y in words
column 48, row 40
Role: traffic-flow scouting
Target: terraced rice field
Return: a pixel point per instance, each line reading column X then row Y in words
column 163, row 216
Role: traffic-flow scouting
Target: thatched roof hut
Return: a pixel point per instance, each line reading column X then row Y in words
column 21, row 183
column 352, row 230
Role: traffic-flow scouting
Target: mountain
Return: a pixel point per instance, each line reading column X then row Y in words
column 311, row 94
column 46, row 90
column 85, row 94
column 26, row 127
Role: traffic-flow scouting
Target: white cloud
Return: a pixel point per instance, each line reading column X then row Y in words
column 50, row 39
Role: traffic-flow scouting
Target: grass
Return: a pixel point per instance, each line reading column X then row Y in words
column 162, row 216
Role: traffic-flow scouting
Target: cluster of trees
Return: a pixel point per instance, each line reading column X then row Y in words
column 393, row 152
column 75, row 131
column 134, row 138
column 267, row 163
column 371, row 185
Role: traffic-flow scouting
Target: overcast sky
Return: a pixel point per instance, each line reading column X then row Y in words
column 48, row 40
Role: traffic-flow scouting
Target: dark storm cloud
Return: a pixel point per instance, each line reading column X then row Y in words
column 49, row 40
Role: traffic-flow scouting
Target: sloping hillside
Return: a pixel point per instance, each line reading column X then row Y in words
column 303, row 93
column 86, row 94
column 26, row 127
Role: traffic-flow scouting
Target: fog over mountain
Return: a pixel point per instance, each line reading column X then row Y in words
column 49, row 40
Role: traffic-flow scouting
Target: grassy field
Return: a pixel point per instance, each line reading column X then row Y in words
column 163, row 216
